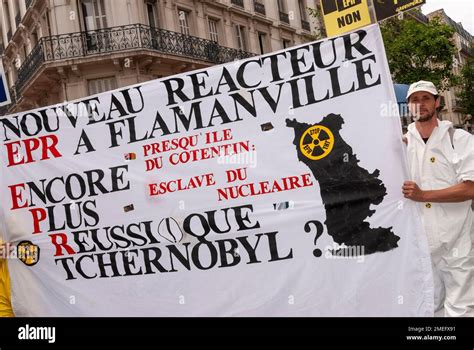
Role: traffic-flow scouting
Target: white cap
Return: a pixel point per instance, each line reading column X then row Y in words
column 422, row 85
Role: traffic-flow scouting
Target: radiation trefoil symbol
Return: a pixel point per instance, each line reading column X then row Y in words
column 28, row 253
column 317, row 142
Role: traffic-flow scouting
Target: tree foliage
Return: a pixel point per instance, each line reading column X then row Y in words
column 316, row 13
column 417, row 51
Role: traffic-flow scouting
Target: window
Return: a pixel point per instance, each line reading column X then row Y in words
column 24, row 53
column 283, row 13
column 286, row 43
column 15, row 70
column 151, row 14
column 213, row 30
column 97, row 86
column 262, row 38
column 93, row 12
column 240, row 37
column 184, row 22
column 7, row 77
column 48, row 22
column 34, row 38
column 442, row 102
column 282, row 6
column 302, row 6
column 6, row 12
column 18, row 15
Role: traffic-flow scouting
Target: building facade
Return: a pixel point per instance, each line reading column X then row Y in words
column 61, row 50
column 463, row 41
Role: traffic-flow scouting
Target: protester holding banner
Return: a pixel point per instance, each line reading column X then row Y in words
column 441, row 162
column 124, row 203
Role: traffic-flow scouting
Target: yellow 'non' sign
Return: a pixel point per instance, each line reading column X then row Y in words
column 341, row 16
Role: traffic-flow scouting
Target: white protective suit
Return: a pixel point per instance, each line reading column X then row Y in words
column 446, row 160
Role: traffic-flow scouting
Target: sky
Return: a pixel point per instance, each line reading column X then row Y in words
column 459, row 10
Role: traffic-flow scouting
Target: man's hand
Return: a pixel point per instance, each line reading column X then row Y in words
column 411, row 191
column 460, row 192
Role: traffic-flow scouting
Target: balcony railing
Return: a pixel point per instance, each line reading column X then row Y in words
column 129, row 37
column 284, row 17
column 237, row 2
column 29, row 66
column 259, row 7
column 28, row 3
column 17, row 19
column 305, row 25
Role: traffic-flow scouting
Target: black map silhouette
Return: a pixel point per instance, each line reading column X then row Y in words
column 347, row 190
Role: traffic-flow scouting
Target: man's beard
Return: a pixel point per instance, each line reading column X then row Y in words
column 424, row 119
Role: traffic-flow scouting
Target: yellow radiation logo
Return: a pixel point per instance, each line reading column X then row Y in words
column 317, row 142
column 28, row 253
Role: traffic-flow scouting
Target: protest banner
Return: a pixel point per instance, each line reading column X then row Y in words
column 269, row 186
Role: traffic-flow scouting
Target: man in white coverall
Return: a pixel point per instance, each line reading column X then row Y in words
column 441, row 162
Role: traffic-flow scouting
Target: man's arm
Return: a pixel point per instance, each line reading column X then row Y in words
column 461, row 192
